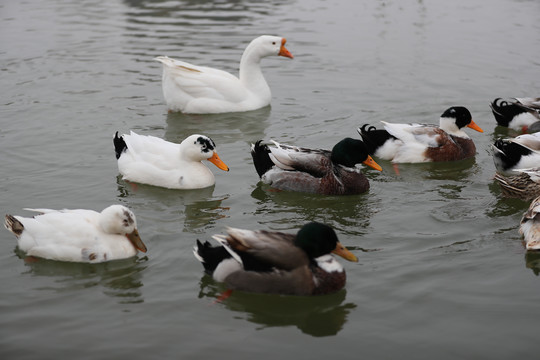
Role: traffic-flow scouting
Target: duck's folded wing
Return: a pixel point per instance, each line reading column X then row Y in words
column 151, row 149
column 296, row 282
column 531, row 141
column 529, row 103
column 271, row 249
column 204, row 82
column 315, row 162
column 429, row 135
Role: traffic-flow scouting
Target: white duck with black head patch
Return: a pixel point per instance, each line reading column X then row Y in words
column 150, row 160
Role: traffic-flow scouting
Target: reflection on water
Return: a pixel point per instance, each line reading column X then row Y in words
column 504, row 206
column 532, row 261
column 317, row 316
column 340, row 212
column 121, row 279
column 447, row 170
column 222, row 128
column 201, row 208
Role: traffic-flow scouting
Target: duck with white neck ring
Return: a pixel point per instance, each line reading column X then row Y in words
column 274, row 262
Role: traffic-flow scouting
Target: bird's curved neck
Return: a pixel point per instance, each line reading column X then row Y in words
column 250, row 73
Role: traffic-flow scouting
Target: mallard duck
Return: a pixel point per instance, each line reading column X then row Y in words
column 275, row 262
column 530, row 226
column 314, row 170
column 154, row 161
column 413, row 143
column 512, row 154
column 202, row 90
column 525, row 185
column 518, row 114
column 78, row 235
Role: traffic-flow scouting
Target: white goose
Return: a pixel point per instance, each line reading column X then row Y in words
column 203, row 90
column 154, row 161
column 78, row 235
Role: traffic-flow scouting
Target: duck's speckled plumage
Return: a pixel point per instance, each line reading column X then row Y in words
column 275, row 262
column 525, row 185
column 317, row 171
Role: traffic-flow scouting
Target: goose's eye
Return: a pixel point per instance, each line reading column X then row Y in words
column 273, row 43
column 125, row 222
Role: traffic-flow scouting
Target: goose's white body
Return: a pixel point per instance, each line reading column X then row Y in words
column 154, row 161
column 78, row 235
column 203, row 90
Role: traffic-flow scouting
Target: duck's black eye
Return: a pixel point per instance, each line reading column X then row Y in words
column 273, row 43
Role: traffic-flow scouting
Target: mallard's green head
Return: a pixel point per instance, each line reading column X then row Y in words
column 318, row 239
column 349, row 152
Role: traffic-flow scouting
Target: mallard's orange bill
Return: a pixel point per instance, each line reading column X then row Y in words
column 217, row 161
column 342, row 251
column 136, row 240
column 283, row 51
column 473, row 126
column 371, row 163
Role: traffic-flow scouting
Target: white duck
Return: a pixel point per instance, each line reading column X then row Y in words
column 530, row 226
column 154, row 161
column 203, row 90
column 78, row 235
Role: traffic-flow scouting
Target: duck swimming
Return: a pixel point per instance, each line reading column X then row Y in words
column 512, row 154
column 518, row 114
column 315, row 171
column 150, row 160
column 413, row 143
column 78, row 235
column 277, row 263
column 203, row 90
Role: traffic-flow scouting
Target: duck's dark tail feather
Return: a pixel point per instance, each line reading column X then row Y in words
column 210, row 256
column 261, row 159
column 13, row 225
column 373, row 138
column 119, row 145
column 505, row 111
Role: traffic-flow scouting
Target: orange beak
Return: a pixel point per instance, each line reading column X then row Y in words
column 136, row 240
column 371, row 163
column 283, row 51
column 342, row 251
column 217, row 161
column 473, row 126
